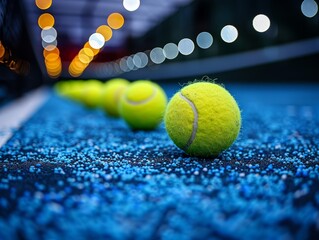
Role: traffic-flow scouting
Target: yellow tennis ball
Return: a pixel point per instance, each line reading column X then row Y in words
column 75, row 91
column 111, row 95
column 91, row 93
column 59, row 87
column 143, row 104
column 203, row 119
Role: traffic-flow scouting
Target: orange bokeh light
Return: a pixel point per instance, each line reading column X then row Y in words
column 106, row 31
column 54, row 50
column 115, row 20
column 95, row 51
column 45, row 20
column 2, row 50
column 43, row 4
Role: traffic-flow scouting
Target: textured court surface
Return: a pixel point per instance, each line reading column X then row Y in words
column 72, row 173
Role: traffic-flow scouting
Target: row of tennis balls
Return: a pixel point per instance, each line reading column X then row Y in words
column 141, row 104
column 203, row 118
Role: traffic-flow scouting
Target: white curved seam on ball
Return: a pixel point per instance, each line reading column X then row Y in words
column 144, row 100
column 195, row 122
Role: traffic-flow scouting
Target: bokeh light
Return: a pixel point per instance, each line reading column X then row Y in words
column 123, row 65
column 204, row 40
column 130, row 63
column 261, row 23
column 115, row 20
column 49, row 34
column 106, row 32
column 46, row 20
column 95, row 51
column 186, row 46
column 43, row 4
column 53, row 63
column 86, row 55
column 131, row 5
column 170, row 50
column 309, row 8
column 2, row 50
column 229, row 33
column 143, row 60
column 54, row 50
column 137, row 61
column 157, row 55
column 53, row 56
column 96, row 41
column 49, row 46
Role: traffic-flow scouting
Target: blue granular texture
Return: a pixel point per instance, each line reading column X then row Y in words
column 74, row 173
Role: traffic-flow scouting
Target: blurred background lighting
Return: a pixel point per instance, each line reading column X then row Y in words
column 46, row 20
column 48, row 34
column 54, row 50
column 52, row 56
column 137, row 61
column 130, row 63
column 186, row 46
column 95, row 51
column 144, row 59
column 86, row 55
column 170, row 51
column 49, row 46
column 96, row 40
column 157, row 55
column 43, row 4
column 261, row 23
column 229, row 33
column 115, row 20
column 106, row 32
column 131, row 5
column 309, row 8
column 2, row 50
column 204, row 40
column 123, row 65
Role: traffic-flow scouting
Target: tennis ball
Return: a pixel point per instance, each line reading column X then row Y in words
column 143, row 104
column 62, row 87
column 75, row 91
column 91, row 93
column 111, row 94
column 203, row 119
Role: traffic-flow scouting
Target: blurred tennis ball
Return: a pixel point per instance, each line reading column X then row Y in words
column 111, row 95
column 142, row 105
column 91, row 93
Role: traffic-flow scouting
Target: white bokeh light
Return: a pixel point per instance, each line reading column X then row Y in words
column 140, row 60
column 49, row 46
column 131, row 5
column 186, row 46
column 309, row 8
column 229, row 33
column 137, row 60
column 96, row 41
column 170, row 50
column 48, row 35
column 204, row 40
column 157, row 55
column 130, row 63
column 144, row 59
column 123, row 65
column 261, row 23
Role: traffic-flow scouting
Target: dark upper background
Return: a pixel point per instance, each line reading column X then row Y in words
column 154, row 24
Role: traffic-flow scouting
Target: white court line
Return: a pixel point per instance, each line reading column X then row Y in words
column 14, row 114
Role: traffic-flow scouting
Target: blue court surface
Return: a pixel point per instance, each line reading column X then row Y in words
column 74, row 173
